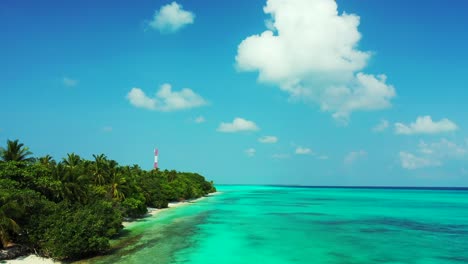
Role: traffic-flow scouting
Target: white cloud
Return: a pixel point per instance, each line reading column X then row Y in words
column 200, row 119
column 250, row 152
column 433, row 154
column 139, row 99
column 166, row 100
column 444, row 149
column 354, row 156
column 281, row 156
column 365, row 92
column 69, row 82
column 171, row 17
column 382, row 126
column 425, row 125
column 238, row 125
column 310, row 51
column 411, row 162
column 303, row 151
column 322, row 157
column 268, row 139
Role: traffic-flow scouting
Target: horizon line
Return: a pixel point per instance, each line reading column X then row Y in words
column 353, row 186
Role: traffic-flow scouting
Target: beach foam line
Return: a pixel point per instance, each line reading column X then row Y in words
column 154, row 211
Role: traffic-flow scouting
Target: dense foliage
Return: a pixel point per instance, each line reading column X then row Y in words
column 71, row 208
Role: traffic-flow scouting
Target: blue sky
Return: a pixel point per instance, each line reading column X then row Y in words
column 289, row 94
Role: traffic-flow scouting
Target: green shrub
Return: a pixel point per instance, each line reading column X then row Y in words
column 134, row 208
column 70, row 233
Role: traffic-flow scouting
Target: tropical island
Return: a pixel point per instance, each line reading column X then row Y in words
column 71, row 209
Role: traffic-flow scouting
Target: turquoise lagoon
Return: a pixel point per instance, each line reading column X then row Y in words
column 266, row 224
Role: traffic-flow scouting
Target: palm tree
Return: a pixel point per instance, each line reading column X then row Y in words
column 73, row 183
column 15, row 151
column 117, row 181
column 136, row 167
column 118, row 186
column 100, row 169
column 71, row 172
column 172, row 175
column 46, row 160
column 72, row 160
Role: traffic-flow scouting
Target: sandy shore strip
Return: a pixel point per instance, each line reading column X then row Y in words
column 154, row 211
column 31, row 259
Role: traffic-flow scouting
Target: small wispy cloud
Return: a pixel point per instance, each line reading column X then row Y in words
column 69, row 82
column 433, row 154
column 166, row 100
column 322, row 157
column 303, row 151
column 411, row 162
column 171, row 18
column 382, row 126
column 354, row 156
column 250, row 152
column 238, row 125
column 200, row 119
column 268, row 139
column 425, row 125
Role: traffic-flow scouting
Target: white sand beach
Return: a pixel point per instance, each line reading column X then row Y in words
column 31, row 259
column 154, row 211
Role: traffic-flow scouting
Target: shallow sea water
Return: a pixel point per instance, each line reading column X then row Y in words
column 265, row 224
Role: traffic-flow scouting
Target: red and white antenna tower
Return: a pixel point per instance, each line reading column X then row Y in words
column 155, row 159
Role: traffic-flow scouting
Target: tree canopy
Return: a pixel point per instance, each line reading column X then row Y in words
column 71, row 209
column 15, row 151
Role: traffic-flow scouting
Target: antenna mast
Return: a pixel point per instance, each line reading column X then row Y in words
column 155, row 159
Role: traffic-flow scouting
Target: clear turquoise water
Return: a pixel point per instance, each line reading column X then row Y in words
column 261, row 224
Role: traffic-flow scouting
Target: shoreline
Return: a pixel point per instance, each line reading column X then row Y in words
column 35, row 259
column 155, row 211
column 31, row 259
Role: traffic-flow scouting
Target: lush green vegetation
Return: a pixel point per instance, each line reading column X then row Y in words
column 71, row 208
